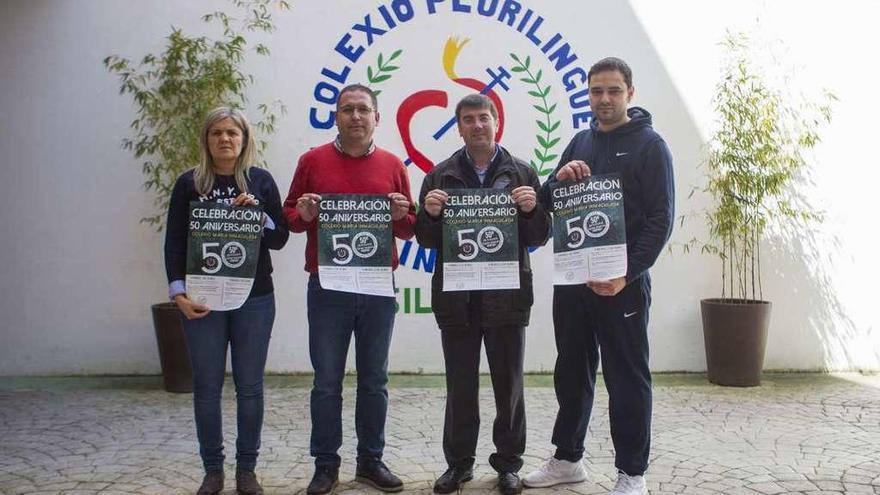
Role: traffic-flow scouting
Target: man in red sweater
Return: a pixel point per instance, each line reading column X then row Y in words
column 352, row 164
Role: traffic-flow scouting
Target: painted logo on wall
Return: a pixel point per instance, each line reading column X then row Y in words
column 422, row 56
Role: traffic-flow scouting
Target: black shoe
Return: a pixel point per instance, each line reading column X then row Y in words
column 376, row 474
column 451, row 480
column 509, row 483
column 212, row 483
column 246, row 483
column 324, row 480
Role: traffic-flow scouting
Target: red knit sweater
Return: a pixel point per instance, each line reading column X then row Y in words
column 326, row 170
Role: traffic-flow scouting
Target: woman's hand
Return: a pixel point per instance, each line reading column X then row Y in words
column 191, row 309
column 245, row 199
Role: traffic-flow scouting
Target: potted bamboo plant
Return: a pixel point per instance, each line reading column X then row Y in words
column 173, row 91
column 755, row 160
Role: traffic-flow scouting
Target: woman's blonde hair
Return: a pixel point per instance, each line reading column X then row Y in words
column 204, row 172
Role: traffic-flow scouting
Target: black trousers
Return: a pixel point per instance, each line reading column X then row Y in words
column 584, row 323
column 461, row 353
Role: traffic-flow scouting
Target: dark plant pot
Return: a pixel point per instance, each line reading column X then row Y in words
column 173, row 354
column 735, row 334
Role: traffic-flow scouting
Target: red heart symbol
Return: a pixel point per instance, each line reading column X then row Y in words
column 436, row 98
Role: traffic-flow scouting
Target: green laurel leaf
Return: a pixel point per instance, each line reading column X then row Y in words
column 383, row 67
column 547, row 141
column 540, row 155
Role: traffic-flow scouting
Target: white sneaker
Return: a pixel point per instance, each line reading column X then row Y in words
column 629, row 485
column 556, row 472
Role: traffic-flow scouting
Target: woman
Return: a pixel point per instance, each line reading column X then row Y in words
column 226, row 174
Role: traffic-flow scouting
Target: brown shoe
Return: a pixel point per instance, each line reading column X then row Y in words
column 324, row 480
column 376, row 474
column 246, row 483
column 212, row 483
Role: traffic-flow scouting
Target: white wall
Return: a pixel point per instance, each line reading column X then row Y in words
column 79, row 272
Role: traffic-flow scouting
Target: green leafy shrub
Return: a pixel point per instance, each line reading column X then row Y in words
column 173, row 90
column 755, row 160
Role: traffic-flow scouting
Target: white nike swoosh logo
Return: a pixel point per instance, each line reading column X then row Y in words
column 627, row 315
column 621, row 154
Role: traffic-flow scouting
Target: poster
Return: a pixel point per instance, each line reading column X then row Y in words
column 480, row 240
column 589, row 230
column 355, row 243
column 222, row 251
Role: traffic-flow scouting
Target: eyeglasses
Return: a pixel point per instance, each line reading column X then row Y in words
column 350, row 110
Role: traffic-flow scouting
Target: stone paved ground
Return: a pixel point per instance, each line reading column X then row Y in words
column 804, row 434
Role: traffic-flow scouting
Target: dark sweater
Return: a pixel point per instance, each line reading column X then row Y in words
column 261, row 185
column 641, row 157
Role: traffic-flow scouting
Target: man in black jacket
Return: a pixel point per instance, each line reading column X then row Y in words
column 612, row 314
column 496, row 317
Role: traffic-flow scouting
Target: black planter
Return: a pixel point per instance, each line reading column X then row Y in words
column 735, row 334
column 173, row 354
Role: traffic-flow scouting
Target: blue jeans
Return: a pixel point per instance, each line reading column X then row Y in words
column 333, row 317
column 246, row 330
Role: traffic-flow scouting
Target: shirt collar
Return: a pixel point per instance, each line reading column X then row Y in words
column 494, row 156
column 338, row 144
